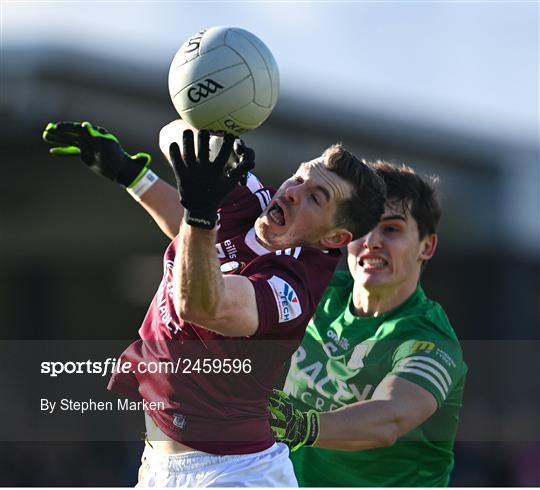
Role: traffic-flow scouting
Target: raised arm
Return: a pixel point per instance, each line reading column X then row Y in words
column 223, row 304
column 102, row 153
column 202, row 295
column 162, row 203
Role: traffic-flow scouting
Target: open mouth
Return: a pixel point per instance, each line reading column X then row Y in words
column 276, row 214
column 373, row 263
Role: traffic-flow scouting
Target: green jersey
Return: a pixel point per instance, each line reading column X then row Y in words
column 343, row 358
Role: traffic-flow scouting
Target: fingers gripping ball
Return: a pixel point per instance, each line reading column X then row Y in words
column 203, row 183
column 98, row 149
column 171, row 133
column 290, row 425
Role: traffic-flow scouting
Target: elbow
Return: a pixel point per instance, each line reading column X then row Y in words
column 387, row 438
column 194, row 314
column 183, row 309
column 187, row 312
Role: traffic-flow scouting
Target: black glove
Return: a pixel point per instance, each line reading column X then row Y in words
column 99, row 150
column 203, row 184
column 290, row 425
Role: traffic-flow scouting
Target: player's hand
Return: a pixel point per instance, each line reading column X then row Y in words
column 246, row 160
column 290, row 425
column 203, row 184
column 98, row 149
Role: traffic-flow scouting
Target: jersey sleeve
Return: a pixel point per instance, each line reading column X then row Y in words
column 283, row 297
column 435, row 364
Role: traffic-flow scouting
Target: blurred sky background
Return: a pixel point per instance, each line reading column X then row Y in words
column 471, row 65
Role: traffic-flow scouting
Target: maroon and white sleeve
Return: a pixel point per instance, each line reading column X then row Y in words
column 283, row 297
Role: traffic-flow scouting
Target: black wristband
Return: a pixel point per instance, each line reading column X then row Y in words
column 201, row 219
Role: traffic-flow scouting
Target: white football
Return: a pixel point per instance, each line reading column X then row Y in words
column 224, row 79
column 172, row 133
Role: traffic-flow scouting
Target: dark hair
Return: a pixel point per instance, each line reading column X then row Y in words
column 416, row 194
column 362, row 211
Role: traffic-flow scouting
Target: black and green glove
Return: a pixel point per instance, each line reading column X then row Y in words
column 203, row 184
column 98, row 149
column 290, row 425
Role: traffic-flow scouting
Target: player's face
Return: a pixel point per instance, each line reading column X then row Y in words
column 389, row 258
column 303, row 209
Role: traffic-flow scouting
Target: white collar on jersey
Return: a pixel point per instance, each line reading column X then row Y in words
column 252, row 242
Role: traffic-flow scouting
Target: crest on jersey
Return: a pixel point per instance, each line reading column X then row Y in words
column 179, row 421
column 286, row 299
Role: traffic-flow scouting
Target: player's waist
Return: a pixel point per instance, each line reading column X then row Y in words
column 178, row 433
column 161, row 442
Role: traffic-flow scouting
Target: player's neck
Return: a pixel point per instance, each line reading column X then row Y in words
column 379, row 300
column 261, row 242
column 273, row 248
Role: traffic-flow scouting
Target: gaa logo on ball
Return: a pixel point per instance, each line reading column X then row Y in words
column 224, row 79
column 201, row 90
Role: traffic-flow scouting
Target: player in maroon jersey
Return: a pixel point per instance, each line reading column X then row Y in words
column 226, row 321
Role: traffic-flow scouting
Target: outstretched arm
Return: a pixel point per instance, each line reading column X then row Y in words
column 102, row 153
column 397, row 407
column 162, row 203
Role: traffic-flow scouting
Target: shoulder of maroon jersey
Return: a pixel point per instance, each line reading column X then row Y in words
column 310, row 260
column 306, row 258
column 253, row 187
column 263, row 194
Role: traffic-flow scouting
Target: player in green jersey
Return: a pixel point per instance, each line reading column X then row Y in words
column 377, row 384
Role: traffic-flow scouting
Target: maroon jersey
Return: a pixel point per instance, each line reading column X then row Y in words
column 216, row 390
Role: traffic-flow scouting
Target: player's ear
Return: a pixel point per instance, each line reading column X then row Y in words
column 337, row 238
column 428, row 246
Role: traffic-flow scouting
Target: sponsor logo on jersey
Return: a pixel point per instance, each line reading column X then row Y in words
column 423, row 345
column 324, row 386
column 286, row 298
column 445, row 358
column 357, row 358
column 343, row 343
column 179, row 421
column 226, row 249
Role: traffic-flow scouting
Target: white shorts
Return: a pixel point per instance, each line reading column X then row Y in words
column 269, row 468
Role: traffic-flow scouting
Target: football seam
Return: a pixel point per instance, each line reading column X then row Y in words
column 198, row 55
column 246, row 63
column 265, row 64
